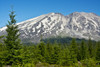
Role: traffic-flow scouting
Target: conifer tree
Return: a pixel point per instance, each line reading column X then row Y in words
column 41, row 51
column 90, row 48
column 12, row 41
column 98, row 51
column 83, row 51
column 65, row 57
column 0, row 53
column 73, row 51
column 48, row 53
column 56, row 54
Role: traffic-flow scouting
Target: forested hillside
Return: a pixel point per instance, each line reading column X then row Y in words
column 82, row 55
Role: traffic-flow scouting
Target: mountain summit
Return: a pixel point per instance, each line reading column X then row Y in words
column 77, row 24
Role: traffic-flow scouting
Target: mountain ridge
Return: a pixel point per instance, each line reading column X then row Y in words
column 77, row 24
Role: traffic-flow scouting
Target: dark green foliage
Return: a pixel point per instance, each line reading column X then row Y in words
column 62, row 40
column 83, row 51
column 12, row 42
column 41, row 47
column 89, row 63
column 90, row 48
column 41, row 51
column 59, row 54
column 73, row 51
column 0, row 54
column 55, row 54
column 65, row 57
column 98, row 51
column 48, row 53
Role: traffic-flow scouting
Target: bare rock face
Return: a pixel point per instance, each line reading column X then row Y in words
column 77, row 24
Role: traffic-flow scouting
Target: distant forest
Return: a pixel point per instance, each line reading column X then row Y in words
column 63, row 40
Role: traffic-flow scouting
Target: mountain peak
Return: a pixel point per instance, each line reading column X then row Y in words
column 78, row 14
column 94, row 14
column 55, row 13
column 77, row 24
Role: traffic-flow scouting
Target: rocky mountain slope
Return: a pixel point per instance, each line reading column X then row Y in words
column 77, row 24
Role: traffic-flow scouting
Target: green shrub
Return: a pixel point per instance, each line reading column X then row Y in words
column 89, row 62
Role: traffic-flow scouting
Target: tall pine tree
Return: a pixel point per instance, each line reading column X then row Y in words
column 98, row 51
column 73, row 51
column 83, row 51
column 41, row 51
column 12, row 41
column 48, row 53
column 90, row 48
column 65, row 57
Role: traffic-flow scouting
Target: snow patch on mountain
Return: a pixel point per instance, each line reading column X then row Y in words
column 77, row 24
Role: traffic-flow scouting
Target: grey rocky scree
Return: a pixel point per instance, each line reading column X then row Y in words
column 77, row 24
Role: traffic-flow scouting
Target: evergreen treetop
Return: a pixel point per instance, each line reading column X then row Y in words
column 12, row 41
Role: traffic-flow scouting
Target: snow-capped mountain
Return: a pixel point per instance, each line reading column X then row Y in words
column 77, row 24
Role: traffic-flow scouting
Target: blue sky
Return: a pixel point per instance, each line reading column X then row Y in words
column 26, row 9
